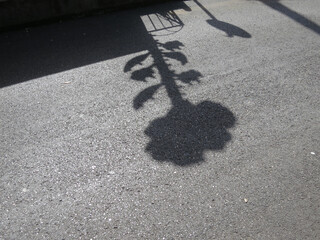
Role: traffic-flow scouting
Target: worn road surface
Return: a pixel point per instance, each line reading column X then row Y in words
column 184, row 120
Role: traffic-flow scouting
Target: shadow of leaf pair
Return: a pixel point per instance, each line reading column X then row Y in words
column 171, row 45
column 169, row 52
column 135, row 61
column 182, row 136
column 187, row 77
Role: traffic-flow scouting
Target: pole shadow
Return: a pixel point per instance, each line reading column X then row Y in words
column 276, row 5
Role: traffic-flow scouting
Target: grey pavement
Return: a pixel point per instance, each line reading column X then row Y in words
column 184, row 120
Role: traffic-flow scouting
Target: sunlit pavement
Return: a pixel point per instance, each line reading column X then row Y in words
column 186, row 120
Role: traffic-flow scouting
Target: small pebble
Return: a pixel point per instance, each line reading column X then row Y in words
column 245, row 200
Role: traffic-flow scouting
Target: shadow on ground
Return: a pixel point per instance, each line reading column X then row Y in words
column 44, row 50
column 187, row 130
column 230, row 29
column 295, row 16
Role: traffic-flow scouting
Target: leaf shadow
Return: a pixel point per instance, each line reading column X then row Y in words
column 143, row 74
column 145, row 95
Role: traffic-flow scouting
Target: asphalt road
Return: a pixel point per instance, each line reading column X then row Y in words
column 187, row 120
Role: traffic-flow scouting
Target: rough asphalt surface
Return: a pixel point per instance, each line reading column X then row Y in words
column 186, row 120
